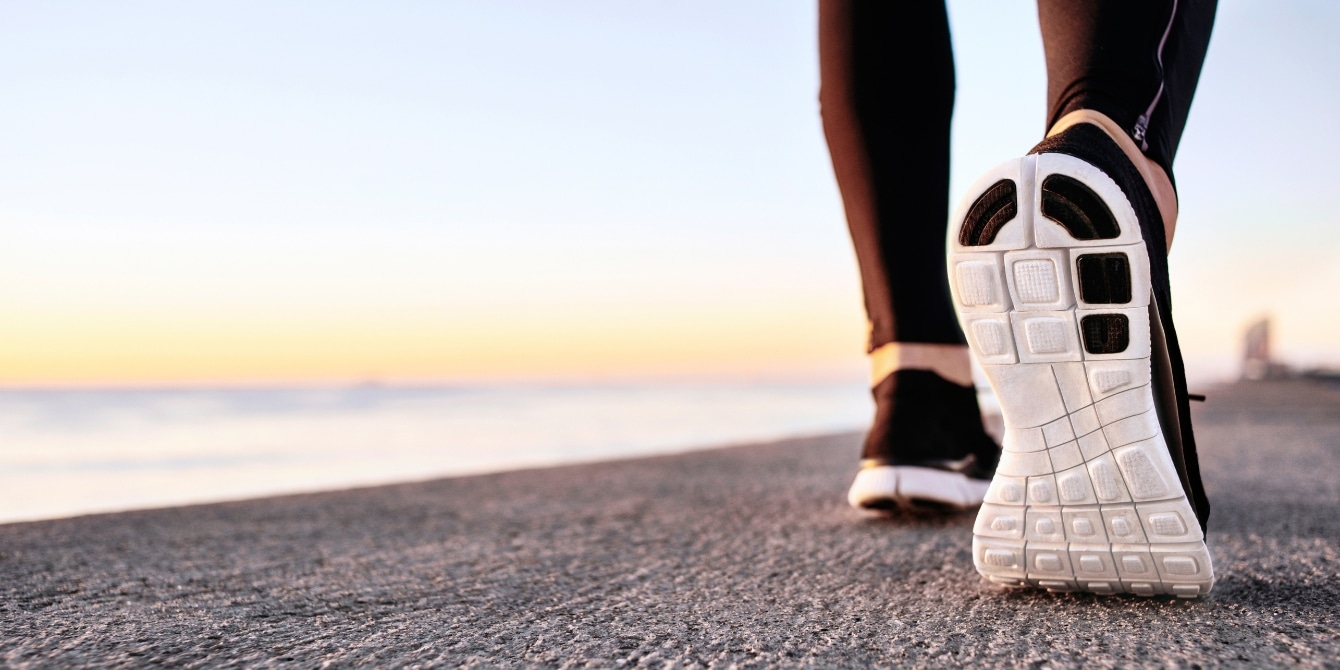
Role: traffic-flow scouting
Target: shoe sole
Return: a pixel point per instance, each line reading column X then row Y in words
column 887, row 488
column 1056, row 310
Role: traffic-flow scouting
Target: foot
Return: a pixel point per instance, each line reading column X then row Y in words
column 1058, row 270
column 927, row 450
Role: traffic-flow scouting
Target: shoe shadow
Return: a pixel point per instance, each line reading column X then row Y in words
column 1302, row 598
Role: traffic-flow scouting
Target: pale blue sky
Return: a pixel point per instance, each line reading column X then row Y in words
column 484, row 162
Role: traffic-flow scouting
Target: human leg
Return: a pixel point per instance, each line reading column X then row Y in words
column 1137, row 63
column 1131, row 68
column 884, row 97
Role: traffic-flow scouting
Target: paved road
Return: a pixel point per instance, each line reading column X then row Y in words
column 744, row 556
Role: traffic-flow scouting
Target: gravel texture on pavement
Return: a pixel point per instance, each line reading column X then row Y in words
column 745, row 556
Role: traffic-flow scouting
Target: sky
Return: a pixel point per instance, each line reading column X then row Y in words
column 255, row 192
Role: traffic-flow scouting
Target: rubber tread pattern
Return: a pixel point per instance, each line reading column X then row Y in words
column 1089, row 495
column 1078, row 209
column 1104, row 279
column 1106, row 333
column 989, row 213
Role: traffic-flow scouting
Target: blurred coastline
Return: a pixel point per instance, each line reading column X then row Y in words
column 76, row 451
column 71, row 451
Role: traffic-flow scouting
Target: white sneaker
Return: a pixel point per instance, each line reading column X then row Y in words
column 1059, row 277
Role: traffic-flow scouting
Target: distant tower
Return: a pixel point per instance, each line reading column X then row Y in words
column 1256, row 363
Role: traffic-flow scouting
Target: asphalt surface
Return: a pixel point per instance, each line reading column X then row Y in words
column 744, row 556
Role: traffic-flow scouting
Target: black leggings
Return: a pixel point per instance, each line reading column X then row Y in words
column 887, row 94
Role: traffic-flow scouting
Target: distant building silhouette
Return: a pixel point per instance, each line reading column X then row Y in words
column 1256, row 360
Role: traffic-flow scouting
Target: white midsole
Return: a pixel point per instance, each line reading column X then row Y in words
column 911, row 486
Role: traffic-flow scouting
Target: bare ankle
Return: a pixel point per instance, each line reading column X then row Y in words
column 950, row 361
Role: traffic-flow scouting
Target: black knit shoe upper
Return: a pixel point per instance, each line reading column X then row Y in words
column 924, row 420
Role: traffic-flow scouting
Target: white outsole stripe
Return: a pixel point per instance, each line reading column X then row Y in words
column 909, row 486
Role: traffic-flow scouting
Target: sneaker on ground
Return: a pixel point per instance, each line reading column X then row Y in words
column 1058, row 270
column 927, row 450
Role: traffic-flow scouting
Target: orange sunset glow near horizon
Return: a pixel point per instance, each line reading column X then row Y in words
column 195, row 350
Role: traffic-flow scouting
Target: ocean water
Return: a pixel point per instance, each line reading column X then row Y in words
column 68, row 452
